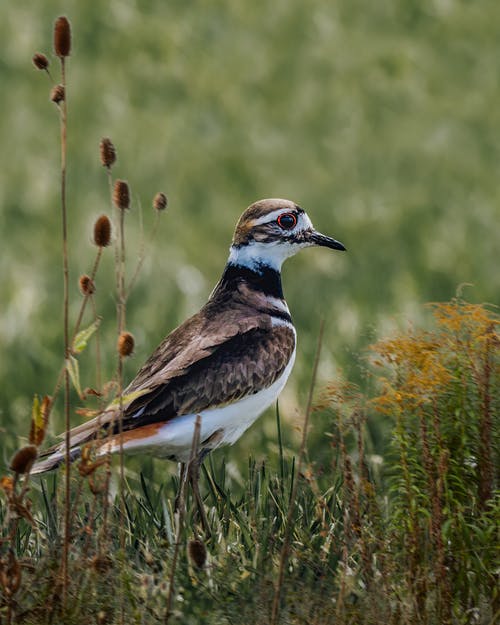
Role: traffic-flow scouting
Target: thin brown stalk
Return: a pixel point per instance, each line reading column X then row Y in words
column 67, row 507
column 121, row 274
column 436, row 474
column 121, row 326
column 291, row 506
column 122, row 485
column 98, row 374
column 181, row 515
column 115, row 214
column 111, row 426
column 485, row 459
column 87, row 296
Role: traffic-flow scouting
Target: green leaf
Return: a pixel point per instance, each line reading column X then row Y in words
column 36, row 418
column 74, row 373
column 39, row 419
column 82, row 338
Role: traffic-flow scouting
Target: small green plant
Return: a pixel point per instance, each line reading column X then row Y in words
column 442, row 393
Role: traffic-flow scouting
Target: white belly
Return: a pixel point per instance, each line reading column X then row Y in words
column 225, row 424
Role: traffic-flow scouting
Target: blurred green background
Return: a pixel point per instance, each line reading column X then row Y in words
column 380, row 118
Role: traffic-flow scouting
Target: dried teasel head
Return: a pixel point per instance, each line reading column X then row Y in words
column 102, row 231
column 197, row 552
column 160, row 201
column 121, row 194
column 125, row 344
column 108, row 152
column 23, row 459
column 62, row 36
column 86, row 284
column 40, row 61
column 57, row 94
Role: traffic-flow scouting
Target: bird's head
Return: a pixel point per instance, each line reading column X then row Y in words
column 272, row 230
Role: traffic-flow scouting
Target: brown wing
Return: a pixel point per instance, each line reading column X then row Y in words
column 192, row 342
column 241, row 366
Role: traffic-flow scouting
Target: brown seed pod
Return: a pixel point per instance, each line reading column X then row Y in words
column 160, row 201
column 62, row 36
column 125, row 344
column 102, row 231
column 108, row 152
column 57, row 94
column 40, row 61
column 23, row 459
column 121, row 194
column 197, row 552
column 87, row 286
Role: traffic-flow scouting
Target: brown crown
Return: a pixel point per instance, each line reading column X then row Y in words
column 255, row 211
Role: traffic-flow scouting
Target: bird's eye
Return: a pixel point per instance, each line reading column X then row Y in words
column 287, row 221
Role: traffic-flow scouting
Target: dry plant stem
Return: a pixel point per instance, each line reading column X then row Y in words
column 98, row 374
column 121, row 326
column 47, row 71
column 122, row 491
column 485, row 460
column 104, row 533
column 67, row 507
column 121, row 275
column 291, row 506
column 113, row 212
column 111, row 427
column 181, row 515
column 88, row 533
column 87, row 296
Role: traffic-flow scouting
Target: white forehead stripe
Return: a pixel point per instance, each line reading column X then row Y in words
column 271, row 216
column 302, row 218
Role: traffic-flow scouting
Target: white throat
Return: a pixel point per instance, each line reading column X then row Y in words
column 255, row 253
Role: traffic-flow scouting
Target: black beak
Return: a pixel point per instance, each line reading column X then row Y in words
column 320, row 239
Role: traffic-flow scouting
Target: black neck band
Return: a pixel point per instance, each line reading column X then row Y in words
column 263, row 278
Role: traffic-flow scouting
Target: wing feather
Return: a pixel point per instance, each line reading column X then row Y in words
column 239, row 367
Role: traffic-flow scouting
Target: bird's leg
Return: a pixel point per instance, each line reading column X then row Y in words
column 194, row 478
column 183, row 467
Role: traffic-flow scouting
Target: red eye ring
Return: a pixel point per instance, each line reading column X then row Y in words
column 287, row 221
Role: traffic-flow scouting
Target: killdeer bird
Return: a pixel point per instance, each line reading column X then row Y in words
column 227, row 363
